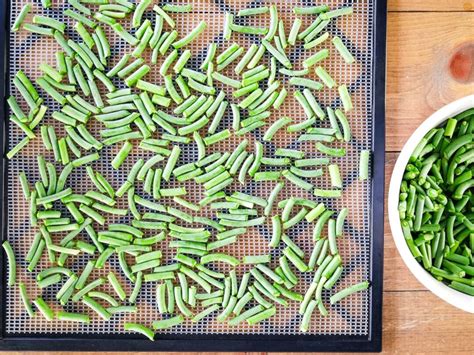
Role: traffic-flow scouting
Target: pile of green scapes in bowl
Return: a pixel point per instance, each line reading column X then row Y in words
column 436, row 203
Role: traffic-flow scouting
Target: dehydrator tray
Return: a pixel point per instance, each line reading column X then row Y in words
column 352, row 325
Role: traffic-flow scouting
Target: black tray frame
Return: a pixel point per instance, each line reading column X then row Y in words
column 270, row 343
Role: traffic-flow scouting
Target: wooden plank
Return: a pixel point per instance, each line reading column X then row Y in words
column 419, row 322
column 430, row 5
column 114, row 353
column 418, row 77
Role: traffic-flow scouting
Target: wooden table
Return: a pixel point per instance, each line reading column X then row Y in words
column 424, row 72
column 423, row 37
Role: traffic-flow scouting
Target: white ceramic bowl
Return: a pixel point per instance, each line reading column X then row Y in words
column 457, row 299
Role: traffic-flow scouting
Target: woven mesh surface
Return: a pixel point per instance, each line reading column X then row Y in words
column 349, row 317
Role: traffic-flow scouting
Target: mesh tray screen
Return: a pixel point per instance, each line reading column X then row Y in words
column 349, row 317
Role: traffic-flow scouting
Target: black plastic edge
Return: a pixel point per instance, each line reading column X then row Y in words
column 304, row 343
column 4, row 84
column 378, row 174
column 193, row 343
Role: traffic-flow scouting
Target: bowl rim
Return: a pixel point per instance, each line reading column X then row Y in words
column 453, row 297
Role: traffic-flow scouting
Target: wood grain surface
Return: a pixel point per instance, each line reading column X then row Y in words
column 423, row 35
column 430, row 5
column 419, row 79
